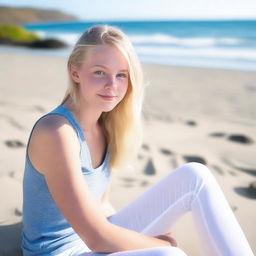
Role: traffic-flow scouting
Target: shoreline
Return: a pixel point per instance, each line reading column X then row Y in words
column 63, row 53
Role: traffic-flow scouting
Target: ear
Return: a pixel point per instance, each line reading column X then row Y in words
column 73, row 73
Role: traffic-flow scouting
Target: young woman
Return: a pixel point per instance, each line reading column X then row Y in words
column 73, row 149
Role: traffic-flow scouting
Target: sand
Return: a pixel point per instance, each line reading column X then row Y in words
column 189, row 114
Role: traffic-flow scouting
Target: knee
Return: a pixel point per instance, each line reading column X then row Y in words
column 196, row 170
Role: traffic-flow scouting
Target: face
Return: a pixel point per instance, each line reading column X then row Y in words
column 102, row 78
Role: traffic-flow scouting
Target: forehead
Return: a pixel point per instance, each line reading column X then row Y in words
column 105, row 55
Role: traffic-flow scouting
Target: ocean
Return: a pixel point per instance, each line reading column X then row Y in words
column 229, row 44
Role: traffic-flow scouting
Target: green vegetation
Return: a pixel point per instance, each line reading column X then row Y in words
column 16, row 34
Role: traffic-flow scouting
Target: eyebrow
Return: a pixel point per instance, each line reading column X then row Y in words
column 102, row 66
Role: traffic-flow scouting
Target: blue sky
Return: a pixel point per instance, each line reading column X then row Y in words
column 146, row 9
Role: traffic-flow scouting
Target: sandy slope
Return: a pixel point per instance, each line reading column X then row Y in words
column 189, row 114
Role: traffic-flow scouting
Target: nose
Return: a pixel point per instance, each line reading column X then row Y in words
column 111, row 82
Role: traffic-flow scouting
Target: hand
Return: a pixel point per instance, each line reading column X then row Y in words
column 168, row 237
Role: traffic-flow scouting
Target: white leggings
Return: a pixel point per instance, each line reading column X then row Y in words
column 190, row 187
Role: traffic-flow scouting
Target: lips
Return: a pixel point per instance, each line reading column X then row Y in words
column 107, row 97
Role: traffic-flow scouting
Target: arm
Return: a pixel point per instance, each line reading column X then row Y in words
column 56, row 155
column 107, row 207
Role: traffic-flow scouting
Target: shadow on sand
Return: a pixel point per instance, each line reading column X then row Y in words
column 10, row 239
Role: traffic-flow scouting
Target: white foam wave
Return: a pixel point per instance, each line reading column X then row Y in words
column 68, row 38
column 194, row 42
column 221, row 53
column 157, row 39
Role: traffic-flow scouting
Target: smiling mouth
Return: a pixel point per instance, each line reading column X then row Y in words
column 108, row 97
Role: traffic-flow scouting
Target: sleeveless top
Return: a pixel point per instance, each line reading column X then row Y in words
column 45, row 230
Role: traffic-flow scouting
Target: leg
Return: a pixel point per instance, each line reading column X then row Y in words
column 190, row 187
column 157, row 251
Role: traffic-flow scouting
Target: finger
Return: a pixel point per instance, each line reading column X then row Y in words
column 174, row 243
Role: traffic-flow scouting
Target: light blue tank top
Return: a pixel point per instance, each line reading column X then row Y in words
column 45, row 230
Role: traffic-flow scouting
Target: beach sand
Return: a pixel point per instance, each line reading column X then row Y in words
column 189, row 114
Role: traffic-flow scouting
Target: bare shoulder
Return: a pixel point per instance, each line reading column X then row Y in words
column 51, row 123
column 52, row 133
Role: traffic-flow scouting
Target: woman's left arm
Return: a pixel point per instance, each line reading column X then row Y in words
column 107, row 207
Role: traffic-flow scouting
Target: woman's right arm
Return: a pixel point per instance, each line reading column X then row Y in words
column 54, row 151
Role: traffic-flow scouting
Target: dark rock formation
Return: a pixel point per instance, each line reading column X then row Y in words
column 47, row 43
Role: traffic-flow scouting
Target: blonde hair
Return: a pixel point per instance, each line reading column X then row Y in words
column 122, row 125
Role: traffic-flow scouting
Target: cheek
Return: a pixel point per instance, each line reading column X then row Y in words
column 124, row 86
column 94, row 81
column 91, row 83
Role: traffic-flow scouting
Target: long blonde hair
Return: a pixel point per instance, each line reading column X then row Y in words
column 122, row 125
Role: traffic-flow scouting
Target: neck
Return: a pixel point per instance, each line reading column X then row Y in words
column 88, row 118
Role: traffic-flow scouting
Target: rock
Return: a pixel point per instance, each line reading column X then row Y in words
column 48, row 43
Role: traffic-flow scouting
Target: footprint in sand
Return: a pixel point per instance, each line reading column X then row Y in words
column 197, row 159
column 150, row 168
column 234, row 208
column 252, row 188
column 13, row 122
column 17, row 212
column 140, row 156
column 231, row 163
column 14, row 144
column 127, row 182
column 217, row 134
column 248, row 192
column 166, row 152
column 174, row 159
column 238, row 138
column 128, row 179
column 17, row 175
column 251, row 87
column 217, row 169
column 232, row 173
column 191, row 123
column 127, row 185
column 39, row 109
column 130, row 182
column 145, row 147
column 144, row 183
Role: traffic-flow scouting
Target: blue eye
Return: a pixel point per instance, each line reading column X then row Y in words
column 122, row 75
column 98, row 72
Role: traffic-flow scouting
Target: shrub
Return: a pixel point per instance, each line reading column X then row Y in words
column 16, row 33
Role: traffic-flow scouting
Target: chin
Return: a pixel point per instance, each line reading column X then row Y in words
column 108, row 108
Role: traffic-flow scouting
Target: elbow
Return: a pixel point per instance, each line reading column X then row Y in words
column 98, row 245
column 92, row 244
column 99, row 241
column 95, row 246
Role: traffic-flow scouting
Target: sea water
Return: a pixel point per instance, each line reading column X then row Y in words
column 225, row 44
